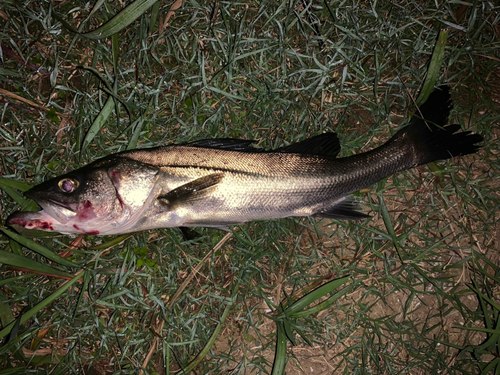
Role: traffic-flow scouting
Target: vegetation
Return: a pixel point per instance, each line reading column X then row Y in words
column 413, row 289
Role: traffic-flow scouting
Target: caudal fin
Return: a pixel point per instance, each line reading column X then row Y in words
column 430, row 137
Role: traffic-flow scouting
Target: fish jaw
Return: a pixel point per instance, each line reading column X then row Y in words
column 40, row 220
column 83, row 219
column 44, row 221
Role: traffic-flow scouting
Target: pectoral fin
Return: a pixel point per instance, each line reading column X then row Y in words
column 195, row 189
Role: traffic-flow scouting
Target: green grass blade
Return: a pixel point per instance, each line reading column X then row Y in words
column 5, row 314
column 99, row 76
column 313, row 296
column 18, row 198
column 154, row 16
column 115, row 46
column 15, row 247
column 15, row 278
column 39, row 249
column 495, row 332
column 287, row 325
column 484, row 297
column 388, row 225
column 279, row 362
column 29, row 264
column 12, row 371
column 111, row 243
column 121, row 20
column 323, row 305
column 10, row 186
column 492, row 368
column 19, row 185
column 434, row 67
column 227, row 94
column 99, row 122
column 137, row 126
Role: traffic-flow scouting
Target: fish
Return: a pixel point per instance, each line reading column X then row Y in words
column 219, row 183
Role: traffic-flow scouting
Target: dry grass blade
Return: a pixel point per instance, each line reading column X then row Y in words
column 27, row 101
column 197, row 269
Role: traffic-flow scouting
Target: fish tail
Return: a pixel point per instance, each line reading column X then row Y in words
column 430, row 138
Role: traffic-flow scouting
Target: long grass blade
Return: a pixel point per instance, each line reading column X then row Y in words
column 434, row 67
column 121, row 20
column 39, row 249
column 313, row 296
column 279, row 362
column 389, row 226
column 29, row 264
column 99, row 122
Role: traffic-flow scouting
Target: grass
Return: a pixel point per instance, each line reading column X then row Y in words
column 418, row 289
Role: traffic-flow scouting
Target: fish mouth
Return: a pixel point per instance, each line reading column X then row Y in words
column 29, row 223
column 62, row 212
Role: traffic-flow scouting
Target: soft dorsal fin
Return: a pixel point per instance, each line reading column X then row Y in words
column 325, row 145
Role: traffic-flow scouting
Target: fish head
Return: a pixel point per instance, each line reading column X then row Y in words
column 101, row 198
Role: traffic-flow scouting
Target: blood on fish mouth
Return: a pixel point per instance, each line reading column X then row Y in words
column 32, row 224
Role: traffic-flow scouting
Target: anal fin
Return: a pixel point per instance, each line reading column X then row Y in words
column 347, row 209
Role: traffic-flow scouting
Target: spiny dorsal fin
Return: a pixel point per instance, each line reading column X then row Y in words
column 226, row 144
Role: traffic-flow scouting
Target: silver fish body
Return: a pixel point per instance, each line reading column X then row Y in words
column 223, row 182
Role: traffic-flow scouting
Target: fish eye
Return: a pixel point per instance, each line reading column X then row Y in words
column 68, row 185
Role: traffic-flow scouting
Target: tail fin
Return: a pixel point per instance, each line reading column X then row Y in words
column 429, row 135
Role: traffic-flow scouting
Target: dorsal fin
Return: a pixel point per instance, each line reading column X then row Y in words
column 325, row 145
column 226, row 144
